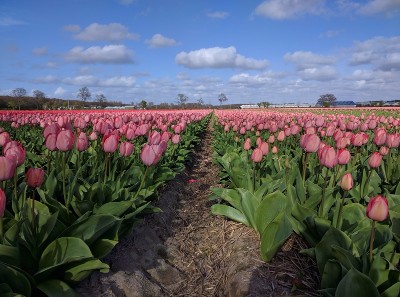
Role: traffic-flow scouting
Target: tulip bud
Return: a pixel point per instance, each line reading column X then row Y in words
column 257, row 155
column 35, row 177
column 346, row 182
column 310, row 142
column 65, row 140
column 2, row 203
column 82, row 142
column 247, row 144
column 126, row 149
column 378, row 208
column 110, row 142
column 343, row 156
column 375, row 160
column 7, row 168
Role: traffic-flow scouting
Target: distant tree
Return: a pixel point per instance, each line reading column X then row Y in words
column 326, row 100
column 143, row 104
column 222, row 98
column 84, row 94
column 264, row 104
column 200, row 101
column 101, row 99
column 40, row 97
column 12, row 104
column 182, row 99
column 18, row 93
column 151, row 105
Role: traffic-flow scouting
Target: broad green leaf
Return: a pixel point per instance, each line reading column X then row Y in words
column 114, row 208
column 393, row 291
column 102, row 247
column 231, row 196
column 356, row 284
column 229, row 212
column 274, row 236
column 15, row 279
column 346, row 258
column 79, row 271
column 9, row 255
column 354, row 217
column 332, row 274
column 55, row 287
column 249, row 205
column 270, row 207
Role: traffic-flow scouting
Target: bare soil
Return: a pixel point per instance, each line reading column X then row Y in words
column 187, row 251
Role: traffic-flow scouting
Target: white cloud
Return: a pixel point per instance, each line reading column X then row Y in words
column 59, row 91
column 287, row 9
column 158, row 41
column 380, row 6
column 92, row 81
column 109, row 54
column 380, row 52
column 111, row 32
column 7, row 21
column 217, row 57
column 323, row 73
column 72, row 28
column 247, row 79
column 218, row 14
column 47, row 79
column 40, row 51
column 118, row 81
column 304, row 60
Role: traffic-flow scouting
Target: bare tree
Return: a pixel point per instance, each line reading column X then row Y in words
column 222, row 98
column 326, row 100
column 182, row 99
column 18, row 93
column 39, row 96
column 200, row 101
column 101, row 99
column 84, row 94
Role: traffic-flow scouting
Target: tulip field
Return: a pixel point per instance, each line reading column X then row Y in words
column 74, row 183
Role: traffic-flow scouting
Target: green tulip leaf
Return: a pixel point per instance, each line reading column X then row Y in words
column 79, row 271
column 356, row 284
column 393, row 291
column 114, row 208
column 332, row 274
column 229, row 195
column 230, row 212
column 9, row 255
column 16, row 280
column 274, row 236
column 55, row 287
column 249, row 205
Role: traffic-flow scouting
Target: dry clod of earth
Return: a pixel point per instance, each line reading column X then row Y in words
column 187, row 251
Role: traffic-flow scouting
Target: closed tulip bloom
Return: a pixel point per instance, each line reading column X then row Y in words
column 82, row 142
column 346, row 182
column 271, row 139
column 110, row 142
column 148, row 155
column 93, row 136
column 343, row 156
column 176, row 139
column 50, row 142
column 7, row 168
column 281, row 136
column 378, row 208
column 65, row 140
column 165, row 136
column 247, row 144
column 14, row 150
column 126, row 149
column 310, row 142
column 4, row 138
column 2, row 203
column 35, row 177
column 375, row 160
column 380, row 136
column 274, row 150
column 328, row 157
column 392, row 140
column 154, row 138
column 264, row 147
column 384, row 150
column 257, row 155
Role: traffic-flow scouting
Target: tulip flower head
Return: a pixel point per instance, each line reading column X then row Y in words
column 7, row 168
column 378, row 208
column 346, row 182
column 257, row 155
column 375, row 160
column 35, row 177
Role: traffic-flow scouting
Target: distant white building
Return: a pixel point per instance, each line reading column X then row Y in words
column 247, row 106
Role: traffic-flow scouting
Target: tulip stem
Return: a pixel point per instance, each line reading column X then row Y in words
column 141, row 183
column 365, row 188
column 1, row 229
column 106, row 167
column 321, row 207
column 33, row 212
column 304, row 167
column 15, row 185
column 339, row 218
column 371, row 241
column 64, row 174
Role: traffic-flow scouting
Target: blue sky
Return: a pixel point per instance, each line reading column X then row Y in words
column 281, row 51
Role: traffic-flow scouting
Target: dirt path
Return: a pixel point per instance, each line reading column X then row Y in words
column 187, row 251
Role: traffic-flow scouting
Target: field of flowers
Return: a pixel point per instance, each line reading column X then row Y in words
column 330, row 176
column 72, row 184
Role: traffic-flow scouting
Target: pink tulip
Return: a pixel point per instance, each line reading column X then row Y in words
column 375, row 160
column 14, row 151
column 35, row 177
column 82, row 142
column 7, row 168
column 148, row 155
column 380, row 136
column 310, row 142
column 247, row 144
column 176, row 138
column 4, row 138
column 65, row 140
column 384, row 150
column 2, row 203
column 274, row 149
column 264, row 146
column 346, row 182
column 257, row 155
column 126, row 149
column 328, row 157
column 343, row 156
column 50, row 142
column 93, row 136
column 110, row 142
column 154, row 138
column 392, row 140
column 378, row 208
column 281, row 136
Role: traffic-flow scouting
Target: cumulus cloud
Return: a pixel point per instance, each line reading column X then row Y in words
column 323, row 73
column 111, row 32
column 218, row 15
column 287, row 9
column 158, row 41
column 251, row 80
column 380, row 52
column 217, row 57
column 306, row 59
column 40, row 51
column 92, row 81
column 47, row 79
column 59, row 92
column 380, row 6
column 7, row 21
column 72, row 28
column 109, row 54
